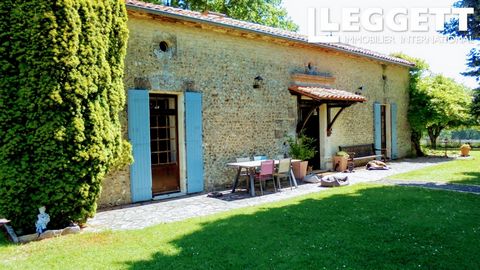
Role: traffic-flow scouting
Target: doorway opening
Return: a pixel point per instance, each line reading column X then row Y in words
column 383, row 128
column 311, row 128
column 164, row 144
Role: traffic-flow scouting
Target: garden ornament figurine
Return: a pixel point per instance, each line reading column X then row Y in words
column 43, row 219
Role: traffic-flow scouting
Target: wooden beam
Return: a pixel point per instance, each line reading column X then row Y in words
column 314, row 104
column 330, row 121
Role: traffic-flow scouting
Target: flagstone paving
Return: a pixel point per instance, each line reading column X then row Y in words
column 139, row 216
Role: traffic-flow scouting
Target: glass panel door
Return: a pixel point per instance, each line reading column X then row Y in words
column 164, row 144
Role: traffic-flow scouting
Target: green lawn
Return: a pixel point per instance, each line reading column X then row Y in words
column 356, row 227
column 457, row 172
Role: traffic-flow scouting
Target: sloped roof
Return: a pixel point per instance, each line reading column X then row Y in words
column 223, row 21
column 322, row 94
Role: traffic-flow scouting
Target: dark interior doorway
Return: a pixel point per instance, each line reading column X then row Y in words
column 384, row 129
column 164, row 144
column 312, row 130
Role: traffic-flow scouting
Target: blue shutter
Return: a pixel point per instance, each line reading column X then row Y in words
column 393, row 113
column 377, row 127
column 139, row 134
column 193, row 138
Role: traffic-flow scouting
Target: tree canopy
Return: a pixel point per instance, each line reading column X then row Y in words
column 473, row 58
column 266, row 12
column 446, row 105
column 61, row 92
column 473, row 22
column 418, row 99
column 436, row 102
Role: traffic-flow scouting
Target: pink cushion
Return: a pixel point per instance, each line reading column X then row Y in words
column 267, row 167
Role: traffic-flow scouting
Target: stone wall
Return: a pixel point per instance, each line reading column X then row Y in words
column 355, row 125
column 240, row 120
column 116, row 189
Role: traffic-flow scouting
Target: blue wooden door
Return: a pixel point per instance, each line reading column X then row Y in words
column 193, row 140
column 393, row 114
column 377, row 121
column 139, row 134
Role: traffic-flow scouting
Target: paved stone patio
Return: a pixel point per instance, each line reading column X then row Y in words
column 139, row 216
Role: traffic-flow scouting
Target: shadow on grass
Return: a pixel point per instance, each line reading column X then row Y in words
column 452, row 186
column 468, row 178
column 383, row 227
column 3, row 240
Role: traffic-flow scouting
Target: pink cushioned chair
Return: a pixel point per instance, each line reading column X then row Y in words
column 267, row 169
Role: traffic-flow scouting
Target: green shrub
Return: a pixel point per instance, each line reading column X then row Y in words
column 61, row 93
column 302, row 147
column 342, row 154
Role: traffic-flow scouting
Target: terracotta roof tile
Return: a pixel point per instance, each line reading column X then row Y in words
column 260, row 29
column 321, row 94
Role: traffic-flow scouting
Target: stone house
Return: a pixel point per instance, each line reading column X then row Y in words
column 204, row 89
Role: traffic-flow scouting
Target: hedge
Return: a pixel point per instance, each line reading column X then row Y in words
column 61, row 93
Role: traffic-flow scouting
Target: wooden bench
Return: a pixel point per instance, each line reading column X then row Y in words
column 362, row 151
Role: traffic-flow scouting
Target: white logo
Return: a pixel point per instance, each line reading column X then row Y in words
column 320, row 26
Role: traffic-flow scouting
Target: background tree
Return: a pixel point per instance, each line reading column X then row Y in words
column 473, row 58
column 61, row 91
column 417, row 102
column 476, row 104
column 447, row 105
column 435, row 103
column 266, row 12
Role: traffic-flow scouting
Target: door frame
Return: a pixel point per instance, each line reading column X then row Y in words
column 155, row 177
column 388, row 121
column 314, row 117
column 181, row 142
column 388, row 128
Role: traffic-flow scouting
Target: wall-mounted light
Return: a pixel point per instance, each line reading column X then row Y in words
column 258, row 82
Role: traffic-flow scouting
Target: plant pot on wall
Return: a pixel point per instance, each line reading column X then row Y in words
column 299, row 169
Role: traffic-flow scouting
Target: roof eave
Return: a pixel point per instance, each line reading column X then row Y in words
column 191, row 19
column 296, row 91
column 365, row 55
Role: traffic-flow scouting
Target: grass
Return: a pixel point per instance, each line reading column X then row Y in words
column 465, row 171
column 357, row 227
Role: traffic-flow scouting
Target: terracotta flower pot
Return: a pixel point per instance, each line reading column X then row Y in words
column 342, row 163
column 300, row 169
column 465, row 150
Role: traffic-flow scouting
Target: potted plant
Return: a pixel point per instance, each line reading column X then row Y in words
column 302, row 148
column 340, row 161
column 465, row 149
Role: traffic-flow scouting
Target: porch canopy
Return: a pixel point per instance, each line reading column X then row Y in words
column 316, row 96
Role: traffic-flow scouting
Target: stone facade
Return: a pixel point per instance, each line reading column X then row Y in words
column 238, row 119
column 116, row 189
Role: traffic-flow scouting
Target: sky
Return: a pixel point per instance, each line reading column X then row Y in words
column 447, row 58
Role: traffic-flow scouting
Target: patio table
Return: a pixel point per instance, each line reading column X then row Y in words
column 251, row 166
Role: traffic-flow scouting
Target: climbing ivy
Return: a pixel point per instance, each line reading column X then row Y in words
column 61, row 92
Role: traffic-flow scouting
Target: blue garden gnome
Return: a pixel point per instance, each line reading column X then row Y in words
column 43, row 219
